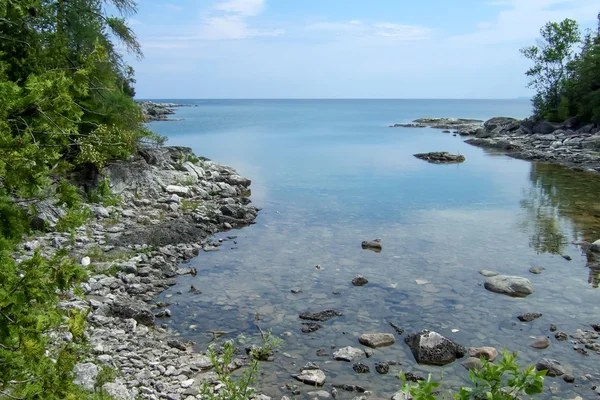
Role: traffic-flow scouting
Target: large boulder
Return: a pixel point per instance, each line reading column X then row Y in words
column 433, row 349
column 504, row 123
column 126, row 307
column 514, row 286
column 544, row 127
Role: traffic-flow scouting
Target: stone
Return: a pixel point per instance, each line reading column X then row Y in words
column 125, row 307
column 359, row 281
column 472, row 363
column 529, row 317
column 489, row 353
column 361, row 368
column 85, row 261
column 544, row 127
column 117, row 391
column 540, row 343
column 514, row 286
column 537, row 270
column 505, row 123
column 433, row 349
column 85, row 375
column 487, row 273
column 401, row 396
column 441, row 157
column 321, row 316
column 187, row 383
column 176, row 344
column 561, row 336
column 348, row 354
column 568, row 378
column 382, row 367
column 178, row 190
column 374, row 245
column 553, row 367
column 309, row 327
column 376, row 340
column 314, row 377
column 321, row 394
column 595, row 247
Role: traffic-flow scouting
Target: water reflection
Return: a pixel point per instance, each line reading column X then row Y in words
column 560, row 204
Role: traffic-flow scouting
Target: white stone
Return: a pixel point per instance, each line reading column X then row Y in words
column 312, row 377
column 187, row 384
column 178, row 190
column 86, row 261
column 348, row 354
column 85, row 375
column 118, row 391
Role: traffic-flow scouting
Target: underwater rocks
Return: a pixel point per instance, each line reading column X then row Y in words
column 441, row 157
column 529, row 317
column 442, row 123
column 321, row 316
column 433, row 349
column 514, row 286
column 349, row 354
column 374, row 245
column 489, row 353
column 359, row 281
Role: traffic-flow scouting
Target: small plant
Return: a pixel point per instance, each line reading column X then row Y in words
column 237, row 389
column 422, row 390
column 102, row 194
column 189, row 181
column 189, row 205
column 73, row 218
column 105, row 375
column 192, row 158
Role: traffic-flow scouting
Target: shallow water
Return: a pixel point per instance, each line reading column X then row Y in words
column 329, row 174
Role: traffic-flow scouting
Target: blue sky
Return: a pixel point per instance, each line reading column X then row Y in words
column 341, row 48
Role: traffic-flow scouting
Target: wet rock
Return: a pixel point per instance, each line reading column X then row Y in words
column 348, row 354
column 382, row 367
column 413, row 377
column 596, row 327
column 441, row 157
column 433, row 349
column 322, row 353
column 529, row 317
column 537, row 270
column 595, row 247
column 568, row 378
column 540, row 343
column 176, row 344
column 399, row 330
column 85, row 375
column 489, row 353
column 361, row 368
column 487, row 273
column 374, row 245
column 309, row 327
column 553, row 367
column 553, row 328
column 321, row 394
column 314, row 377
column 504, row 123
column 567, row 257
column 376, row 340
column 514, row 286
column 401, row 396
column 296, row 291
column 561, row 336
column 472, row 363
column 359, row 281
column 321, row 316
column 544, row 127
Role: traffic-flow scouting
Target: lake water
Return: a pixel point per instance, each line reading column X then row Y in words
column 329, row 174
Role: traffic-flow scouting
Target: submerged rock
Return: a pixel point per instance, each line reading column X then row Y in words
column 309, row 327
column 374, row 245
column 441, row 157
column 537, row 270
column 433, row 349
column 382, row 368
column 348, row 354
column 361, row 368
column 359, row 281
column 487, row 273
column 529, row 317
column 514, row 286
column 472, row 363
column 376, row 340
column 489, row 353
column 320, row 316
column 540, row 343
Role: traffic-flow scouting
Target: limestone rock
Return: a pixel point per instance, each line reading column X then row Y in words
column 514, row 286
column 348, row 354
column 376, row 340
column 314, row 377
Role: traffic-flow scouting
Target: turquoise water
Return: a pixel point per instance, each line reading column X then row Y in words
column 329, row 174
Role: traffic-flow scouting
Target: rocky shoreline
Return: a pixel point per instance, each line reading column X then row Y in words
column 170, row 203
column 159, row 111
column 571, row 144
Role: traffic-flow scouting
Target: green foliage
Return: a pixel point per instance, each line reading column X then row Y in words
column 73, row 218
column 105, row 375
column 567, row 82
column 102, row 194
column 237, row 389
column 504, row 381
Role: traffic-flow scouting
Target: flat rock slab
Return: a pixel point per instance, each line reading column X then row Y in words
column 487, row 273
column 376, row 340
column 314, row 377
column 514, row 286
column 348, row 354
column 529, row 317
column 320, row 316
column 433, row 349
column 441, row 157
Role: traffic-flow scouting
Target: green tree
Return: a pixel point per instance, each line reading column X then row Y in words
column 552, row 60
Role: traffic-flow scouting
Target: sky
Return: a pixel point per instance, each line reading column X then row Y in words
column 341, row 48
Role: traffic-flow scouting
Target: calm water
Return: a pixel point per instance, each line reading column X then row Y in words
column 329, row 174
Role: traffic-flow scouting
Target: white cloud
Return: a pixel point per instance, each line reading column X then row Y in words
column 246, row 8
column 384, row 29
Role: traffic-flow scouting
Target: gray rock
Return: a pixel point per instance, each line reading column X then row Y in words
column 489, row 353
column 382, row 367
column 514, row 286
column 441, row 157
column 553, row 367
column 401, row 396
column 595, row 246
column 433, row 349
column 487, row 273
column 537, row 270
column 322, row 394
column 361, row 368
column 540, row 343
column 85, row 375
column 360, row 281
column 505, row 123
column 126, row 307
column 472, row 363
column 529, row 317
column 374, row 245
column 118, row 391
column 314, row 377
column 321, row 316
column 178, row 190
column 376, row 340
column 544, row 128
column 348, row 354
column 561, row 336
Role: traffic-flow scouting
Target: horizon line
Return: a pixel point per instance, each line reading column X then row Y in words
column 332, row 98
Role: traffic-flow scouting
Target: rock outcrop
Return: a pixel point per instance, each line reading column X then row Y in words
column 441, row 157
